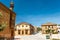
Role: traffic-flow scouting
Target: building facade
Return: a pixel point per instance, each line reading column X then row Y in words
column 24, row 29
column 49, row 28
column 35, row 29
column 7, row 22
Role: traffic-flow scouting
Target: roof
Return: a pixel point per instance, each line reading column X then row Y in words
column 23, row 23
column 49, row 23
column 1, row 4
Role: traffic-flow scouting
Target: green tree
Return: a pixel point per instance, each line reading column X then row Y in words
column 39, row 29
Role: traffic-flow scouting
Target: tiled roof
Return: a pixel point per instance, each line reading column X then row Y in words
column 25, row 23
column 49, row 23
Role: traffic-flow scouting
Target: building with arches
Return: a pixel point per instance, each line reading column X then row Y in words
column 24, row 29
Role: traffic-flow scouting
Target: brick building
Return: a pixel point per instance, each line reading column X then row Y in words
column 7, row 21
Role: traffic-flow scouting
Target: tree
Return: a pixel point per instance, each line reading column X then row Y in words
column 39, row 29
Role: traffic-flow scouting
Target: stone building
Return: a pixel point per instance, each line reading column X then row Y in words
column 49, row 28
column 24, row 29
column 7, row 21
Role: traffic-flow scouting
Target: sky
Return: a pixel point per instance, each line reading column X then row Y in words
column 36, row 12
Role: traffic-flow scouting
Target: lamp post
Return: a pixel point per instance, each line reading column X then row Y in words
column 50, row 33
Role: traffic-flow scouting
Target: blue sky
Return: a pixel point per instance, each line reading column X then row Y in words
column 36, row 12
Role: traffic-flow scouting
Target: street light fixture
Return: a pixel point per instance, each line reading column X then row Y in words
column 50, row 33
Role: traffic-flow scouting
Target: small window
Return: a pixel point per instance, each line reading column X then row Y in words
column 26, row 26
column 52, row 26
column 49, row 26
column 22, row 25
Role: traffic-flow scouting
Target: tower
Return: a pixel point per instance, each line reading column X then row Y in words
column 11, row 5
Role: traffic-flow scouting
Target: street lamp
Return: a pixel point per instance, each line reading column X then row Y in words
column 50, row 32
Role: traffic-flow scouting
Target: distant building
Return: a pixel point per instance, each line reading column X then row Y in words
column 49, row 27
column 58, row 28
column 35, row 29
column 7, row 22
column 24, row 29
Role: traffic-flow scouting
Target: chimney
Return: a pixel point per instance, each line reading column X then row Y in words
column 11, row 5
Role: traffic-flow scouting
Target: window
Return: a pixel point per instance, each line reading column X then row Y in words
column 18, row 31
column 52, row 26
column 49, row 26
column 26, row 25
column 22, row 25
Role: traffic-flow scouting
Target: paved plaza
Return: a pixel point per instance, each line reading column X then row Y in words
column 38, row 36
